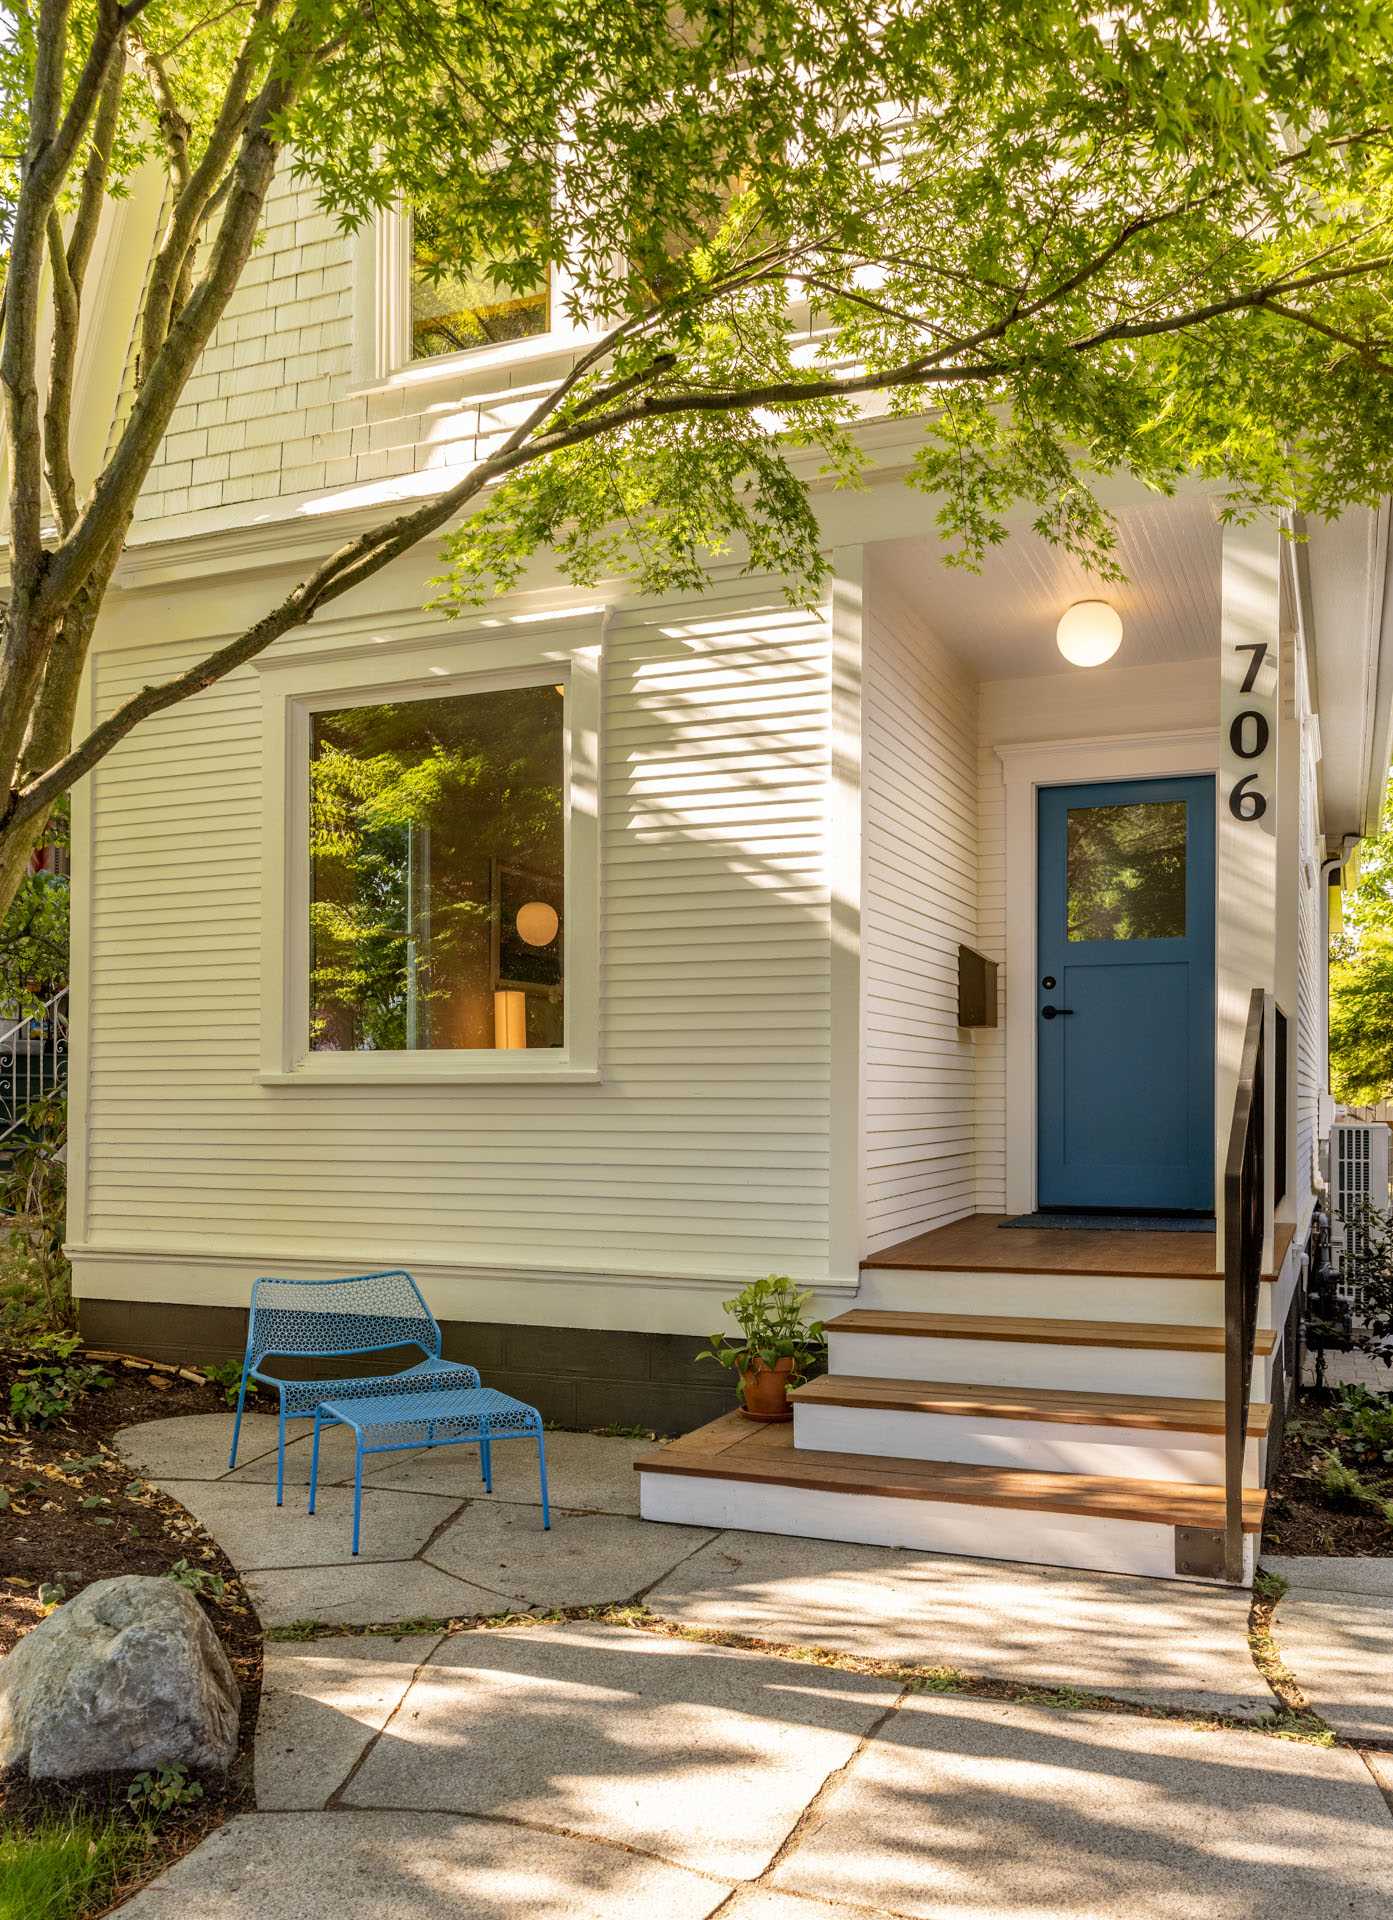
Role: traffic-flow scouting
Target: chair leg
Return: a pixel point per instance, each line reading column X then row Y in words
column 314, row 1462
column 357, row 1491
column 542, row 1476
column 237, row 1423
column 486, row 1456
column 280, row 1459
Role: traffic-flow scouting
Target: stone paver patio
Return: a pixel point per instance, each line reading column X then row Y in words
column 605, row 1767
column 1043, row 1626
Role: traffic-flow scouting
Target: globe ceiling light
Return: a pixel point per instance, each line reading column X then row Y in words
column 537, row 923
column 1089, row 633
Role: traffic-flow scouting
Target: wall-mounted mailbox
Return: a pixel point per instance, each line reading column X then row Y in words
column 976, row 989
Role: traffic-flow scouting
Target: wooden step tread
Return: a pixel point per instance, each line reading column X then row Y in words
column 733, row 1448
column 1038, row 1332
column 1066, row 1406
column 979, row 1244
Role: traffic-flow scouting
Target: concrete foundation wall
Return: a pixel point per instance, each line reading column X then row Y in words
column 575, row 1376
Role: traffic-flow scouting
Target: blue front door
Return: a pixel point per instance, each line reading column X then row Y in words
column 1124, row 995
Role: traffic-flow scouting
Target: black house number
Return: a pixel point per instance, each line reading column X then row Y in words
column 1249, row 734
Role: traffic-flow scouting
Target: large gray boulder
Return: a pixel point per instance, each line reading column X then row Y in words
column 126, row 1676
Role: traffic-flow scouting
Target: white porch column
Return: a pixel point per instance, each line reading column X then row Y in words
column 846, row 1231
column 1294, row 879
column 1246, row 957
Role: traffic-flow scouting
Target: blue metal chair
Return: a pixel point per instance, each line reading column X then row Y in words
column 327, row 1319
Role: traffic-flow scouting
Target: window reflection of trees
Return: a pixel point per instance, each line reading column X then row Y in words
column 414, row 807
column 1126, row 871
column 457, row 306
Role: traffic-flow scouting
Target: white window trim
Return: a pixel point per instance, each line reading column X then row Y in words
column 294, row 687
column 382, row 319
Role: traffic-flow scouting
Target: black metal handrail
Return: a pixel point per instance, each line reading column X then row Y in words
column 1245, row 1222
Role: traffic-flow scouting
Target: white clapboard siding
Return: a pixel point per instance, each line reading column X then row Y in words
column 276, row 407
column 919, row 848
column 990, row 1133
column 704, row 1150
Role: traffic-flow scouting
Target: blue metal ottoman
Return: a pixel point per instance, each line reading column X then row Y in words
column 439, row 1417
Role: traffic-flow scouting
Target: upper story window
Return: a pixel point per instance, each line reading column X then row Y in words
column 454, row 311
column 437, row 873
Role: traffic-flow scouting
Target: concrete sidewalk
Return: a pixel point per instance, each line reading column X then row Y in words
column 1334, row 1627
column 595, row 1769
column 436, row 1547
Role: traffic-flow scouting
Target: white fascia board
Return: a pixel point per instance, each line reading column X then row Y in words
column 1380, row 718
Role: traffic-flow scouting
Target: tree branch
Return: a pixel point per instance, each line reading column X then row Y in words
column 58, row 406
column 168, row 288
column 201, row 26
column 68, row 266
column 1264, row 296
column 108, row 510
column 358, row 559
column 1369, row 351
column 660, row 364
column 53, row 144
column 364, row 556
column 92, row 193
column 28, row 237
column 174, row 128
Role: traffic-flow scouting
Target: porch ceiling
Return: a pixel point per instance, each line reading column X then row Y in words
column 1001, row 622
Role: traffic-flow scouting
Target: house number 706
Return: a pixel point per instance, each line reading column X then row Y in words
column 1249, row 734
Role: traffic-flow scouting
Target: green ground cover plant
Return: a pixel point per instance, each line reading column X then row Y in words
column 35, row 1277
column 51, row 1380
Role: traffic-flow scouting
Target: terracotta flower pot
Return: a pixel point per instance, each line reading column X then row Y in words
column 766, row 1390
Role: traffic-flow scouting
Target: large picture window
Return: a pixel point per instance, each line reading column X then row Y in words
column 437, row 902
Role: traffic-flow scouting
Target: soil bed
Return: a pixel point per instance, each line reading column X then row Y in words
column 71, row 1512
column 1300, row 1517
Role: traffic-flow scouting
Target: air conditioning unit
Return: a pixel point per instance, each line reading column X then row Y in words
column 1358, row 1174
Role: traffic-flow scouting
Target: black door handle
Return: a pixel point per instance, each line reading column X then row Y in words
column 1054, row 1013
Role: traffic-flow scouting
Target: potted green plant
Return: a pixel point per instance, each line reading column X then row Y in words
column 777, row 1346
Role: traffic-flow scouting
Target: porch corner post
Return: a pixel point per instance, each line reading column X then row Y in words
column 1250, row 648
column 845, row 859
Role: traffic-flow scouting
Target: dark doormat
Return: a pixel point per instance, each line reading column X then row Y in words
column 1117, row 1222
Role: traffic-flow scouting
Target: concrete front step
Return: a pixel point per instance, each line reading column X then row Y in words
column 1013, row 1351
column 1127, row 1436
column 734, row 1473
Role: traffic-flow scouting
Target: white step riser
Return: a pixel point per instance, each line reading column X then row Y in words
column 1054, row 1296
column 930, row 1526
column 1023, row 1363
column 1042, row 1446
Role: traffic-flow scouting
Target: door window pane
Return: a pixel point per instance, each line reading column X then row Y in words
column 1126, row 871
column 437, row 883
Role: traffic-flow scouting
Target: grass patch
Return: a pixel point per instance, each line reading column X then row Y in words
column 1295, row 1718
column 60, row 1869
